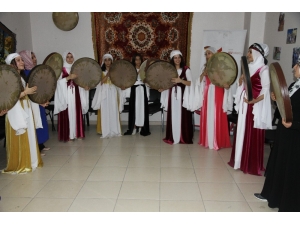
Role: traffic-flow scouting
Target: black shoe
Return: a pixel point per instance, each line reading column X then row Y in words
column 258, row 196
column 127, row 133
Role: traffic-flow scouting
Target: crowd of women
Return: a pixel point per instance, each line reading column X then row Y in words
column 27, row 129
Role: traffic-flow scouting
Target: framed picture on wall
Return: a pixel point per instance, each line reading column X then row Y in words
column 296, row 53
column 281, row 22
column 276, row 53
column 291, row 36
column 8, row 41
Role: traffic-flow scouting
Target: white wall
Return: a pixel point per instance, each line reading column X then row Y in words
column 19, row 23
column 275, row 38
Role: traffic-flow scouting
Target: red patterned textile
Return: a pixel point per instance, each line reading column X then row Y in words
column 154, row 35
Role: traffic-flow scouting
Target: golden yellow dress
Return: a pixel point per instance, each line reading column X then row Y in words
column 18, row 149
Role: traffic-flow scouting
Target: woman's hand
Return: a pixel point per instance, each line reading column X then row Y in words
column 72, row 76
column 241, row 79
column 87, row 88
column 160, row 90
column 273, row 97
column 45, row 104
column 253, row 101
column 3, row 112
column 287, row 125
column 176, row 80
column 30, row 91
column 226, row 86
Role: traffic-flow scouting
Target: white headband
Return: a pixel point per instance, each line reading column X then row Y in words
column 107, row 56
column 175, row 52
column 10, row 57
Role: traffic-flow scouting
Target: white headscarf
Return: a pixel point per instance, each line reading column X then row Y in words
column 107, row 56
column 175, row 52
column 212, row 49
column 258, row 58
column 10, row 57
column 67, row 65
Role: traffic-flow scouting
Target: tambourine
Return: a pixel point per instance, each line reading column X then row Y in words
column 10, row 87
column 280, row 89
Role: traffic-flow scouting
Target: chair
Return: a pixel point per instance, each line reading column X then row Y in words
column 155, row 105
column 2, row 128
column 232, row 118
column 49, row 112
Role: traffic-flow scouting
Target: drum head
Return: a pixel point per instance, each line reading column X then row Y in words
column 10, row 87
column 222, row 69
column 44, row 78
column 247, row 78
column 89, row 72
column 145, row 66
column 65, row 21
column 123, row 74
column 159, row 75
column 281, row 92
column 56, row 62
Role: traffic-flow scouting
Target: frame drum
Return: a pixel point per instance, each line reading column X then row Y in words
column 281, row 92
column 56, row 62
column 10, row 87
column 159, row 75
column 42, row 76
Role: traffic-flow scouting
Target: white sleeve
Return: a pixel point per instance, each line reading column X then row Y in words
column 36, row 114
column 17, row 118
column 84, row 99
column 262, row 110
column 188, row 96
column 61, row 95
column 164, row 97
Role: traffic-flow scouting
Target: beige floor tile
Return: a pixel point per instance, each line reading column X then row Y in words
column 107, row 174
column 173, row 161
column 142, row 174
column 144, row 161
column 199, row 151
column 61, row 189
column 146, row 151
column 73, row 173
column 218, row 175
column 90, row 150
column 181, row 206
column 220, row 192
column 174, row 147
column 13, row 204
column 241, row 177
column 118, row 150
column 248, row 190
column 23, row 188
column 137, row 205
column 148, row 143
column 82, row 160
column 139, row 190
column 113, row 160
column 261, row 207
column 59, row 150
column 211, row 162
column 179, row 191
column 100, row 189
column 172, row 152
column 225, row 153
column 40, row 173
column 8, row 176
column 92, row 205
column 3, row 183
column 218, row 206
column 53, row 205
column 121, row 143
column 55, row 160
column 178, row 175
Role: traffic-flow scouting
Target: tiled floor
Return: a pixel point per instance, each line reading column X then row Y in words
column 131, row 173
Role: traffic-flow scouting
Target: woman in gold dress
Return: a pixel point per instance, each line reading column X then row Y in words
column 21, row 144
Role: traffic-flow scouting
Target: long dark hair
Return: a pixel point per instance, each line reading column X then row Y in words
column 134, row 58
column 182, row 63
column 22, row 73
column 103, row 67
